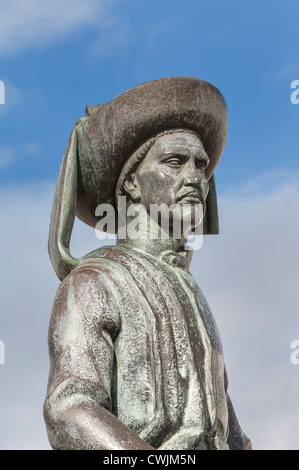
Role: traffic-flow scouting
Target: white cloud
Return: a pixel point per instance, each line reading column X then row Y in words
column 38, row 23
column 27, row 289
column 249, row 274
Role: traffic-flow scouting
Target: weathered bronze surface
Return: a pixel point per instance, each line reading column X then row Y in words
column 136, row 357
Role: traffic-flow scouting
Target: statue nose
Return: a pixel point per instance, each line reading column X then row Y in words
column 192, row 175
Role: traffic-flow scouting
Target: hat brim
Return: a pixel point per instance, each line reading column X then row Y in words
column 112, row 132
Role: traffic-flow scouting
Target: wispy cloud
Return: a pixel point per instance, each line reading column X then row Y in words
column 263, row 184
column 35, row 24
column 19, row 98
column 161, row 28
column 10, row 153
column 289, row 70
column 6, row 155
column 114, row 34
column 31, row 148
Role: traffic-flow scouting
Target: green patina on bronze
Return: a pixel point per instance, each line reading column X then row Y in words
column 136, row 356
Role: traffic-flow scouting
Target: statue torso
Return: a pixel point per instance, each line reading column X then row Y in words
column 168, row 378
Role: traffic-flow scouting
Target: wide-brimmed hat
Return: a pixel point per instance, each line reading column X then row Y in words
column 103, row 141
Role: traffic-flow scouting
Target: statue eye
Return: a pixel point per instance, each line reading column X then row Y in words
column 174, row 162
column 201, row 166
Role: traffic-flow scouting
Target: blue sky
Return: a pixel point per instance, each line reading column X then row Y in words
column 57, row 57
column 52, row 71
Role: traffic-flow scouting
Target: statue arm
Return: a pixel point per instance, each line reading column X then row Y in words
column 78, row 405
column 236, row 440
column 86, row 425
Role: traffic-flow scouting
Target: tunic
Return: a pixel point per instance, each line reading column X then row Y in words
column 135, row 336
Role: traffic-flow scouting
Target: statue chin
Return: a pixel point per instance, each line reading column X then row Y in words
column 190, row 219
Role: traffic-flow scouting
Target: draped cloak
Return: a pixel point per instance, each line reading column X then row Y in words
column 135, row 334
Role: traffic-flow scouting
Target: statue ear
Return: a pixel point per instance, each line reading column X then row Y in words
column 64, row 211
column 211, row 221
column 131, row 187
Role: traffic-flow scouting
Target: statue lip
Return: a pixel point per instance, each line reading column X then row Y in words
column 192, row 196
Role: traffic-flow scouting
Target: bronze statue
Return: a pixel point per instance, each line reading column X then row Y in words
column 136, row 357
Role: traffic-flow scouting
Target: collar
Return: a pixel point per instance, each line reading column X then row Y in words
column 180, row 259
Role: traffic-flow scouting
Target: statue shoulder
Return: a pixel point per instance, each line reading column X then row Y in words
column 90, row 292
column 96, row 267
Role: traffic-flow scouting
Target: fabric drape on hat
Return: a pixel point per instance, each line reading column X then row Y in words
column 64, row 210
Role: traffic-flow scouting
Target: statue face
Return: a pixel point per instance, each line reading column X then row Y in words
column 173, row 172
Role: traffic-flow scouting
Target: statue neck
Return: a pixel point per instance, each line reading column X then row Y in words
column 148, row 237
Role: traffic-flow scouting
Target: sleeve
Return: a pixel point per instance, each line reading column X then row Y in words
column 78, row 407
column 236, row 440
